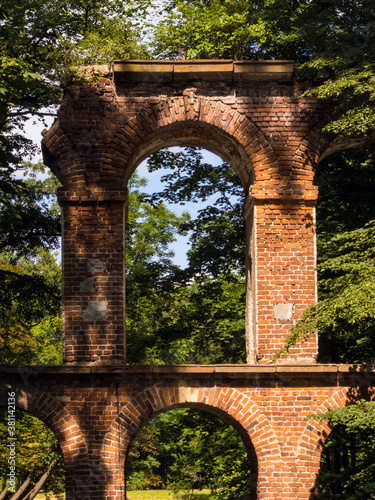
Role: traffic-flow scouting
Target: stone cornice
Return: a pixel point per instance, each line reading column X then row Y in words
column 208, row 70
column 271, row 375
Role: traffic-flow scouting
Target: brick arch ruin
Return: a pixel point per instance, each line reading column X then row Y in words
column 193, row 121
column 263, row 129
column 254, row 115
column 236, row 408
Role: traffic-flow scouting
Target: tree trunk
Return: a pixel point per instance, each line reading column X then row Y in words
column 33, row 493
column 21, row 489
column 328, row 460
column 345, row 457
column 4, row 492
column 353, row 453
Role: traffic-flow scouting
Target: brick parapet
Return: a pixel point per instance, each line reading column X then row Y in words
column 294, row 375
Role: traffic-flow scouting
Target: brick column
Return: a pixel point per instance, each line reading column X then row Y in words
column 93, row 276
column 285, row 281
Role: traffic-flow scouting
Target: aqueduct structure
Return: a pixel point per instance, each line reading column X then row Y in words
column 253, row 115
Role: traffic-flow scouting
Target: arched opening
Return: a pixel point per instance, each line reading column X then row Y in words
column 337, row 462
column 201, row 310
column 31, row 460
column 191, row 454
column 194, row 134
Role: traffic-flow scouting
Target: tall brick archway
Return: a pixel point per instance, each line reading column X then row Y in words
column 192, row 122
column 258, row 124
column 233, row 406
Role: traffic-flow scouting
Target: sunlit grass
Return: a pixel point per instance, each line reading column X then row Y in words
column 42, row 496
column 145, row 495
column 163, row 495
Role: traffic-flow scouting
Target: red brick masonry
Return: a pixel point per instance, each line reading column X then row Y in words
column 254, row 116
column 96, row 412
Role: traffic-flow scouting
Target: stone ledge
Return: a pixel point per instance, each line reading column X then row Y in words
column 261, row 376
column 206, row 70
column 232, row 370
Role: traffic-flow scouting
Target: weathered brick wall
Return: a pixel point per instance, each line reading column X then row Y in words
column 264, row 129
column 96, row 413
column 93, row 300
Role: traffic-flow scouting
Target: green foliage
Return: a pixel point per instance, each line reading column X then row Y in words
column 202, row 322
column 30, row 276
column 190, row 450
column 217, row 233
column 205, row 30
column 29, row 214
column 143, row 461
column 194, row 315
column 30, row 309
column 36, row 448
column 353, row 90
column 346, row 182
column 347, row 466
column 116, row 39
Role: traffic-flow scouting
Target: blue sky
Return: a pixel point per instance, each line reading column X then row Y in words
column 181, row 246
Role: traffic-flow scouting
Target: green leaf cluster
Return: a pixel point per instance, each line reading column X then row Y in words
column 189, row 450
column 347, row 467
column 217, row 232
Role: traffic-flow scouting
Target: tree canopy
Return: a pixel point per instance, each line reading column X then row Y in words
column 332, row 44
column 188, row 450
column 41, row 47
